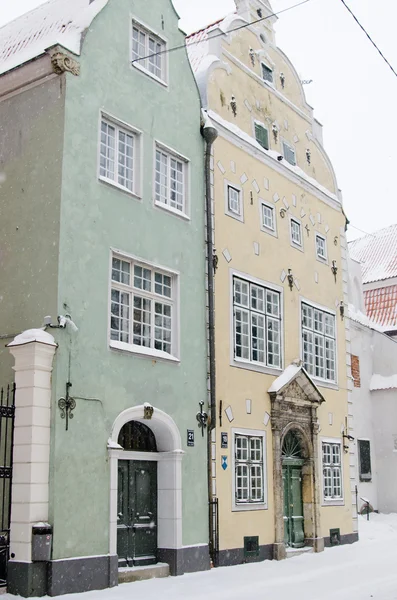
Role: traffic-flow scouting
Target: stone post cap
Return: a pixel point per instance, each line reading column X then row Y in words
column 33, row 335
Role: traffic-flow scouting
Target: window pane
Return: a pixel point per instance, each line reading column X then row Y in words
column 308, row 352
column 242, row 483
column 161, row 182
column 241, row 292
column 125, row 160
column 162, row 284
column 330, row 359
column 307, row 316
column 120, row 316
column 327, row 480
column 177, row 184
column 289, row 154
column 329, row 324
column 142, row 321
column 273, row 343
column 267, row 73
column 257, row 298
column 336, row 482
column 142, row 278
column 321, row 247
column 319, row 356
column 155, row 57
column 255, row 449
column 268, row 217
column 326, row 454
column 241, row 447
column 107, row 151
column 121, row 271
column 162, row 330
column 234, row 200
column 258, row 337
column 272, row 303
column 318, row 321
column 241, row 334
column 256, row 483
column 138, row 44
column 296, row 232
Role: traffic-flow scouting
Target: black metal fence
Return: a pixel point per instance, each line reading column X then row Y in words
column 7, row 414
column 214, row 533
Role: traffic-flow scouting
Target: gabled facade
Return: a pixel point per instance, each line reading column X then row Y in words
column 102, row 218
column 281, row 456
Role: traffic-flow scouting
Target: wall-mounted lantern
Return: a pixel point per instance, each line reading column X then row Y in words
column 308, row 156
column 233, row 105
column 202, row 418
column 252, row 56
column 282, row 80
column 290, row 278
column 334, row 269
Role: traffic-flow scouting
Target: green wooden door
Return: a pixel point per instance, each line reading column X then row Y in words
column 137, row 513
column 294, row 535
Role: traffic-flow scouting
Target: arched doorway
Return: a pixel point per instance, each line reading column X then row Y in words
column 137, row 498
column 146, row 439
column 292, row 463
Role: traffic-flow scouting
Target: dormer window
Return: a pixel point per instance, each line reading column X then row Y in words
column 148, row 52
column 289, row 153
column 267, row 73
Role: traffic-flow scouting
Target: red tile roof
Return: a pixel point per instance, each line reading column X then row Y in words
column 381, row 306
column 377, row 254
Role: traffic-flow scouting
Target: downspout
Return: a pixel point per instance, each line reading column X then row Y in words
column 210, row 134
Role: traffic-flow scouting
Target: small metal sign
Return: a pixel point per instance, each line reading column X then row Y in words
column 224, row 443
column 190, row 437
column 224, row 463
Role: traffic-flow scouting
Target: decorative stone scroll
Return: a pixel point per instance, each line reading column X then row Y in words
column 62, row 63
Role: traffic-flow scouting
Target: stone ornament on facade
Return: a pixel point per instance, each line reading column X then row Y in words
column 62, row 63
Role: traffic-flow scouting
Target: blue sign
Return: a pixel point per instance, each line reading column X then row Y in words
column 224, row 463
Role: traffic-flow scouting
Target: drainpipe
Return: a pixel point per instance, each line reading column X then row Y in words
column 210, row 134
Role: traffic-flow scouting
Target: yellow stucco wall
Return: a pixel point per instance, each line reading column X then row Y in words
column 233, row 163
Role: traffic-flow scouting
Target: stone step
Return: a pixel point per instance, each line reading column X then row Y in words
column 292, row 552
column 128, row 574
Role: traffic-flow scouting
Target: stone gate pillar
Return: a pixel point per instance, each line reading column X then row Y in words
column 33, row 351
column 279, row 546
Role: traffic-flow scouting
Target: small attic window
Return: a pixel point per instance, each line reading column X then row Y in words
column 267, row 73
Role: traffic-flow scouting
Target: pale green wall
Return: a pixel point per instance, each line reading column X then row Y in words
column 31, row 141
column 96, row 217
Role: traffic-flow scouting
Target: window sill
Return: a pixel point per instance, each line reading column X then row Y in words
column 297, row 246
column 141, row 351
column 136, row 65
column 171, row 210
column 241, row 364
column 335, row 502
column 332, row 385
column 269, row 231
column 235, row 216
column 323, row 261
column 244, row 507
column 116, row 185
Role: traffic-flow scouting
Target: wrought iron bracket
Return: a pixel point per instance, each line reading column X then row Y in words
column 67, row 405
column 202, row 418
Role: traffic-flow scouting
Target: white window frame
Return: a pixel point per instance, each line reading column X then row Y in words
column 323, row 259
column 295, row 244
column 239, row 216
column 248, row 364
column 292, row 148
column 238, row 506
column 261, row 124
column 264, row 227
column 336, row 501
column 264, row 64
column 121, row 126
column 141, row 65
column 172, row 154
column 174, row 301
column 333, row 384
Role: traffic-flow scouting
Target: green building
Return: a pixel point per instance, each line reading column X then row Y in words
column 102, row 238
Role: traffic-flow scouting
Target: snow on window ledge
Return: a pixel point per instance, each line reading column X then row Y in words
column 142, row 351
column 136, row 65
column 170, row 209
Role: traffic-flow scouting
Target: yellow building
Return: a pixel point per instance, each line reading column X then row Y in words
column 281, row 455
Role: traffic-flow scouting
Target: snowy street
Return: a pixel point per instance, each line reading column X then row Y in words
column 364, row 570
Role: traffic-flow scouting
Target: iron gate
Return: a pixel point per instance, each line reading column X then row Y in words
column 7, row 413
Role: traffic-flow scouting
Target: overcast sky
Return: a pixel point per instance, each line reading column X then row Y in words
column 353, row 91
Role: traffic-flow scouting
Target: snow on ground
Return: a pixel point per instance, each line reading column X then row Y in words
column 359, row 571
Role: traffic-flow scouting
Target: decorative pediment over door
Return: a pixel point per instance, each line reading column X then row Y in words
column 296, row 384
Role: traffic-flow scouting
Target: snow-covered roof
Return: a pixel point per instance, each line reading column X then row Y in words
column 295, row 372
column 56, row 22
column 377, row 254
column 197, row 44
column 380, row 382
column 359, row 317
column 381, row 306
